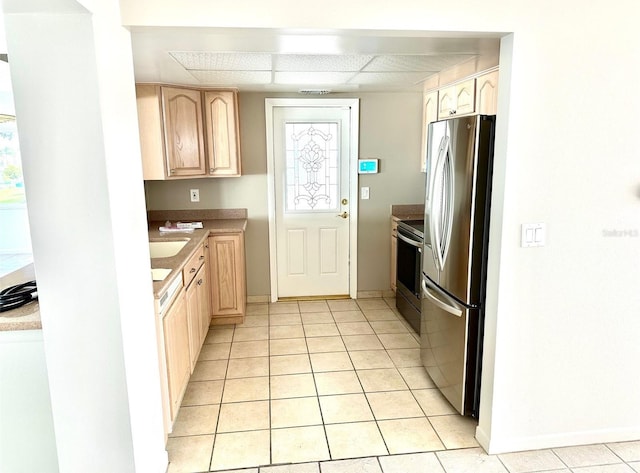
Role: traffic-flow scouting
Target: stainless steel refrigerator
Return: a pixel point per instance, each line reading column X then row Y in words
column 454, row 260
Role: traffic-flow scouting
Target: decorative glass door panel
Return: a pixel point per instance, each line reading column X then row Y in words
column 312, row 175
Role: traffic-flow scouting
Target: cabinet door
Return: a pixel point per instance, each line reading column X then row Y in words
column 176, row 341
column 458, row 99
column 227, row 274
column 221, row 132
column 429, row 114
column 202, row 282
column 182, row 115
column 447, row 102
column 487, row 93
column 466, row 97
column 193, row 323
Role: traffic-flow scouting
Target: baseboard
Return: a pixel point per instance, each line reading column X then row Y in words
column 565, row 439
column 369, row 294
column 482, row 438
column 388, row 294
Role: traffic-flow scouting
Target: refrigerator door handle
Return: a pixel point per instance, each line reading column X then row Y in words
column 436, row 301
column 436, row 202
column 448, row 202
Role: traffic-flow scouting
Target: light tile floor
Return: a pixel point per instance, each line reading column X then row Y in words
column 337, row 386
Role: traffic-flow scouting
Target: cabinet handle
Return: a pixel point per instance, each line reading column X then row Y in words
column 199, row 282
column 193, row 270
column 201, row 257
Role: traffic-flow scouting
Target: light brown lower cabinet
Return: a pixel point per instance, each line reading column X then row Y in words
column 204, row 296
column 215, row 294
column 197, row 295
column 176, row 351
column 228, row 278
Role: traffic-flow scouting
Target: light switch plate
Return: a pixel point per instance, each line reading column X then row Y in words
column 533, row 234
column 364, row 193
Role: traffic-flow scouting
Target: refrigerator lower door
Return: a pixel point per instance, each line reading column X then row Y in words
column 443, row 343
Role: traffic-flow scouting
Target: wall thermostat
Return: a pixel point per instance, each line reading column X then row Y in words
column 367, row 166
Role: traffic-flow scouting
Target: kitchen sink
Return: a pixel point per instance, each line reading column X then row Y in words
column 165, row 249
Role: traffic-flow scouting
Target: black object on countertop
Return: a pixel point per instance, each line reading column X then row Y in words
column 18, row 295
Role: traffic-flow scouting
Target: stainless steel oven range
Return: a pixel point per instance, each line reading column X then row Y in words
column 409, row 269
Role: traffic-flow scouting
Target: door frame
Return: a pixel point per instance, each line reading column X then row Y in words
column 354, row 125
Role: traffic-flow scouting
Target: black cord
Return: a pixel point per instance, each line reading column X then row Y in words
column 18, row 295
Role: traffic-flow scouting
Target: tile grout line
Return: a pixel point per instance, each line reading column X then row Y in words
column 561, row 460
column 224, row 383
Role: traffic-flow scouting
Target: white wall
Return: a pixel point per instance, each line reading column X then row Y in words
column 75, row 106
column 27, row 440
column 562, row 319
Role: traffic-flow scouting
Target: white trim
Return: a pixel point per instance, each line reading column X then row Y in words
column 354, row 126
column 512, row 443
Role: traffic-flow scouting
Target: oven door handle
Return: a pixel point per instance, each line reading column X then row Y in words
column 409, row 241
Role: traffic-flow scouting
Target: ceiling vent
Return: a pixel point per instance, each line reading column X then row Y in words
column 314, row 91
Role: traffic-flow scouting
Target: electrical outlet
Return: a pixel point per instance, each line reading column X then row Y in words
column 195, row 195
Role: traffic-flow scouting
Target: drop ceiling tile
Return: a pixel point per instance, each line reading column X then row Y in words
column 312, row 78
column 320, row 62
column 389, row 78
column 232, row 78
column 413, row 62
column 205, row 60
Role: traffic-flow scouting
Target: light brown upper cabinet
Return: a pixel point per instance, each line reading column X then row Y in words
column 188, row 133
column 221, row 132
column 429, row 114
column 182, row 114
column 458, row 99
column 487, row 93
column 478, row 94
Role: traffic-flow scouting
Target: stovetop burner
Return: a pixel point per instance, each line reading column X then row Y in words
column 18, row 295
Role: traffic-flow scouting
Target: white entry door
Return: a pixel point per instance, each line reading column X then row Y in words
column 312, row 200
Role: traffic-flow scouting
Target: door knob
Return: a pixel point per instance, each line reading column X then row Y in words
column 343, row 215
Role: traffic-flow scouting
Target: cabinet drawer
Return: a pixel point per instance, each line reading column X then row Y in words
column 192, row 266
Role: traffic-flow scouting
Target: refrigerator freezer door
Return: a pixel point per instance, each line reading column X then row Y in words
column 443, row 345
column 441, row 300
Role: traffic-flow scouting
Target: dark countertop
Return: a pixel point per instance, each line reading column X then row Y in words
column 407, row 212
